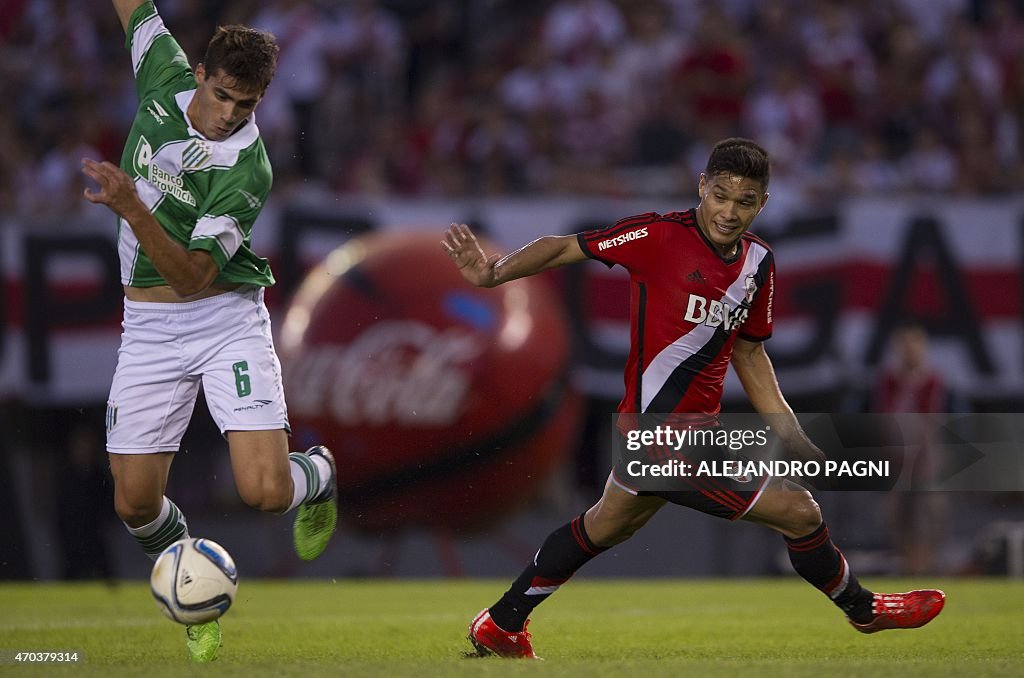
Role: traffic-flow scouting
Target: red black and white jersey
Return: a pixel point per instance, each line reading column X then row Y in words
column 687, row 306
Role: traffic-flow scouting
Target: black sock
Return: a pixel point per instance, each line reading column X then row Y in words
column 565, row 550
column 816, row 559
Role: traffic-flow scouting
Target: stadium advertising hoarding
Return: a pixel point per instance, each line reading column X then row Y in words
column 848, row 275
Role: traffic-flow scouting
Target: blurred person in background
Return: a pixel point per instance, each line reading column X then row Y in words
column 880, row 67
column 909, row 383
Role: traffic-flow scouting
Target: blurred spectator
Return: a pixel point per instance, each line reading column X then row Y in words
column 712, row 78
column 931, row 17
column 301, row 31
column 909, row 384
column 929, row 166
column 58, row 182
column 576, row 31
column 367, row 47
column 86, row 493
column 843, row 68
column 771, row 38
column 539, row 83
column 640, row 63
column 875, row 172
column 1003, row 29
column 965, row 61
column 497, row 149
column 834, row 89
column 784, row 115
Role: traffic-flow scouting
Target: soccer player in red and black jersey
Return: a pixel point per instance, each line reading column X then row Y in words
column 701, row 297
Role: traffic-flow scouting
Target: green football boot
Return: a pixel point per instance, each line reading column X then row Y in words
column 318, row 517
column 203, row 641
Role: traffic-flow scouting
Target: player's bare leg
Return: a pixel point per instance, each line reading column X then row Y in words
column 156, row 522
column 139, row 484
column 501, row 629
column 618, row 515
column 259, row 462
column 271, row 479
column 791, row 510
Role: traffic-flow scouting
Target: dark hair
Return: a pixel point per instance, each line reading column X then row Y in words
column 245, row 54
column 741, row 157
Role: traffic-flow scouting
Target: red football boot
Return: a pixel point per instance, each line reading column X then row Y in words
column 903, row 610
column 488, row 638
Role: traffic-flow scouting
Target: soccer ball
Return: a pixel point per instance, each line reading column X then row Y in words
column 194, row 581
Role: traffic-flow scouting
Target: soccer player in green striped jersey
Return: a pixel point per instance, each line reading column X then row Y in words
column 193, row 177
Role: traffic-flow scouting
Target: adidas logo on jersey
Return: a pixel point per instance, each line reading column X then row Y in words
column 715, row 313
column 628, row 236
column 696, row 277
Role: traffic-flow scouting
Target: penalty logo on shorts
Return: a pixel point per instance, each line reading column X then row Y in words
column 111, row 419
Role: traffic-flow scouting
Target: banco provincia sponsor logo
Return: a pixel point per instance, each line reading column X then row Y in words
column 167, row 183
column 253, row 406
column 622, row 239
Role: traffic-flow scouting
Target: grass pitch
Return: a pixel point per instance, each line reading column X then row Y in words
column 622, row 628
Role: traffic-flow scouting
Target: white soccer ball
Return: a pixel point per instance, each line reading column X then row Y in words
column 194, row 581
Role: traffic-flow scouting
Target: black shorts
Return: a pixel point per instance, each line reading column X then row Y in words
column 729, row 497
column 731, row 503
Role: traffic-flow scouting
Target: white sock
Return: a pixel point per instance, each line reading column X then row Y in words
column 168, row 527
column 310, row 475
column 299, row 483
column 325, row 472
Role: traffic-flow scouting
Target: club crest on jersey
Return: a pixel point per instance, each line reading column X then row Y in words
column 622, row 239
column 195, row 155
column 750, row 288
column 715, row 313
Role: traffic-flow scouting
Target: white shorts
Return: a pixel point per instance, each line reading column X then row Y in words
column 223, row 342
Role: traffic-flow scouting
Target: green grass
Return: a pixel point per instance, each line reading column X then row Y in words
column 623, row 628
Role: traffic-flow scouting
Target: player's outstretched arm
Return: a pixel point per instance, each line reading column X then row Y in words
column 188, row 272
column 124, row 9
column 754, row 368
column 485, row 270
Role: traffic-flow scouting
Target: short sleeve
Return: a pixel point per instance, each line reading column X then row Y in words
column 229, row 213
column 157, row 59
column 631, row 242
column 758, row 326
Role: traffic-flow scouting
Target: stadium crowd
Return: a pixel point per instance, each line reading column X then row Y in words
column 616, row 97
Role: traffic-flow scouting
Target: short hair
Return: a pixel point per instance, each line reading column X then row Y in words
column 741, row 157
column 245, row 54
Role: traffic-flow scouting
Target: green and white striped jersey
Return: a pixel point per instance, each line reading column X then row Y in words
column 206, row 194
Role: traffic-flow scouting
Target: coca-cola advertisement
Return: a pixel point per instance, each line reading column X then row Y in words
column 436, row 397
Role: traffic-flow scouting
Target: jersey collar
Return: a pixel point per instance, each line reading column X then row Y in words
column 242, row 138
column 711, row 246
